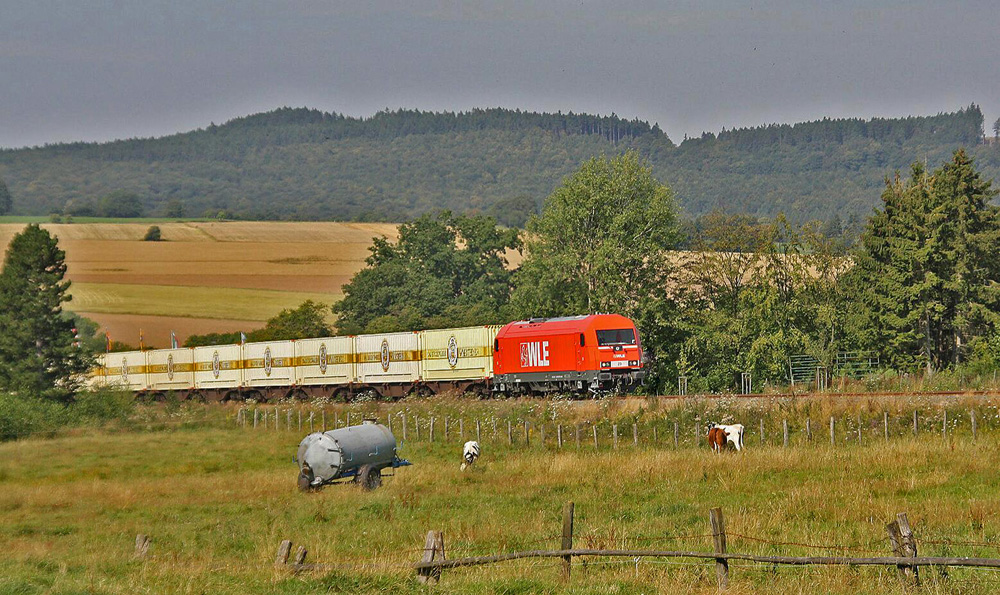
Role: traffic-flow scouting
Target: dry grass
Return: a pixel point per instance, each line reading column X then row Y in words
column 224, row 271
column 195, row 302
column 217, row 501
column 156, row 329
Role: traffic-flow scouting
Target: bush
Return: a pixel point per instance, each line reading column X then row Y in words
column 21, row 417
column 104, row 404
column 152, row 234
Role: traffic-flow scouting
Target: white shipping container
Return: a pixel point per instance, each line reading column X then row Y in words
column 170, row 369
column 269, row 364
column 127, row 370
column 329, row 360
column 97, row 376
column 218, row 367
column 458, row 353
column 393, row 357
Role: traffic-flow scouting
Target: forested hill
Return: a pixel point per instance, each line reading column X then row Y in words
column 307, row 164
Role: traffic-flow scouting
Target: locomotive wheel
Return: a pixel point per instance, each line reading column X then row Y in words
column 369, row 478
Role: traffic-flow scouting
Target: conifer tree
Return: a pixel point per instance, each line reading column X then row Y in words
column 6, row 203
column 38, row 357
column 926, row 269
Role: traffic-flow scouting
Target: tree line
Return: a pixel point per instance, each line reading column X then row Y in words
column 302, row 164
column 920, row 287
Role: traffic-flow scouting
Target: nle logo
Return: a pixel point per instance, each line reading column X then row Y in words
column 535, row 354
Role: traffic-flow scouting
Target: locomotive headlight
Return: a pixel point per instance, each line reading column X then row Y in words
column 633, row 362
column 605, row 364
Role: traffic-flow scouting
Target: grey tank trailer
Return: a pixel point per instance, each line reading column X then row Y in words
column 355, row 453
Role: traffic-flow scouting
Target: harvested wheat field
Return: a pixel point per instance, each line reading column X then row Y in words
column 236, row 273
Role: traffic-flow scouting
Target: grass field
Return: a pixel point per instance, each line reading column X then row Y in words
column 217, row 499
column 207, row 276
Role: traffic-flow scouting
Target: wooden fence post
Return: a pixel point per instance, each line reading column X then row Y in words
column 255, row 418
column 311, row 413
column 527, row 436
column 908, row 542
column 594, row 427
column 478, row 432
column 300, row 420
column 388, row 419
column 288, row 419
column 972, row 417
column 914, row 422
column 677, row 435
column 433, row 550
column 809, row 431
column 614, row 434
column 719, row 544
column 559, row 435
column 895, row 541
column 784, row 427
column 431, row 430
column 300, row 556
column 510, row 435
column 635, row 434
column 763, row 438
column 885, row 424
column 655, row 441
column 446, row 428
column 567, row 536
column 833, row 437
column 141, row 545
column 284, row 549
column 324, row 419
column 404, row 425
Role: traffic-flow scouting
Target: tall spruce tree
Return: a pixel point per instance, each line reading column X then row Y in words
column 926, row 270
column 38, row 357
column 6, row 202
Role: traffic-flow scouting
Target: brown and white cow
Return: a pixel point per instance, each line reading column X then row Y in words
column 721, row 436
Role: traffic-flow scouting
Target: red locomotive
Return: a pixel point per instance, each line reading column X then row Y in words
column 597, row 352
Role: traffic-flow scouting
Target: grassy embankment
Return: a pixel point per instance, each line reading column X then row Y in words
column 217, row 500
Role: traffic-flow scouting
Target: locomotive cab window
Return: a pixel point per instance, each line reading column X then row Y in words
column 582, row 342
column 624, row 336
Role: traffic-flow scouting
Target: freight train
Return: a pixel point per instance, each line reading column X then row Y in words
column 595, row 353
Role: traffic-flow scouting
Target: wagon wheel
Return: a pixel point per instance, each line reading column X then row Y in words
column 369, row 477
column 420, row 391
column 480, row 391
column 341, row 395
column 298, row 394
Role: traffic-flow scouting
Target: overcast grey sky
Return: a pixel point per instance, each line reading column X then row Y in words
column 98, row 70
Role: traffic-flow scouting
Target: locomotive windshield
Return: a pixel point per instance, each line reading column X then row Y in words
column 623, row 336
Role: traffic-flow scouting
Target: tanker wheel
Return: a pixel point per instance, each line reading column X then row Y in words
column 369, row 477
